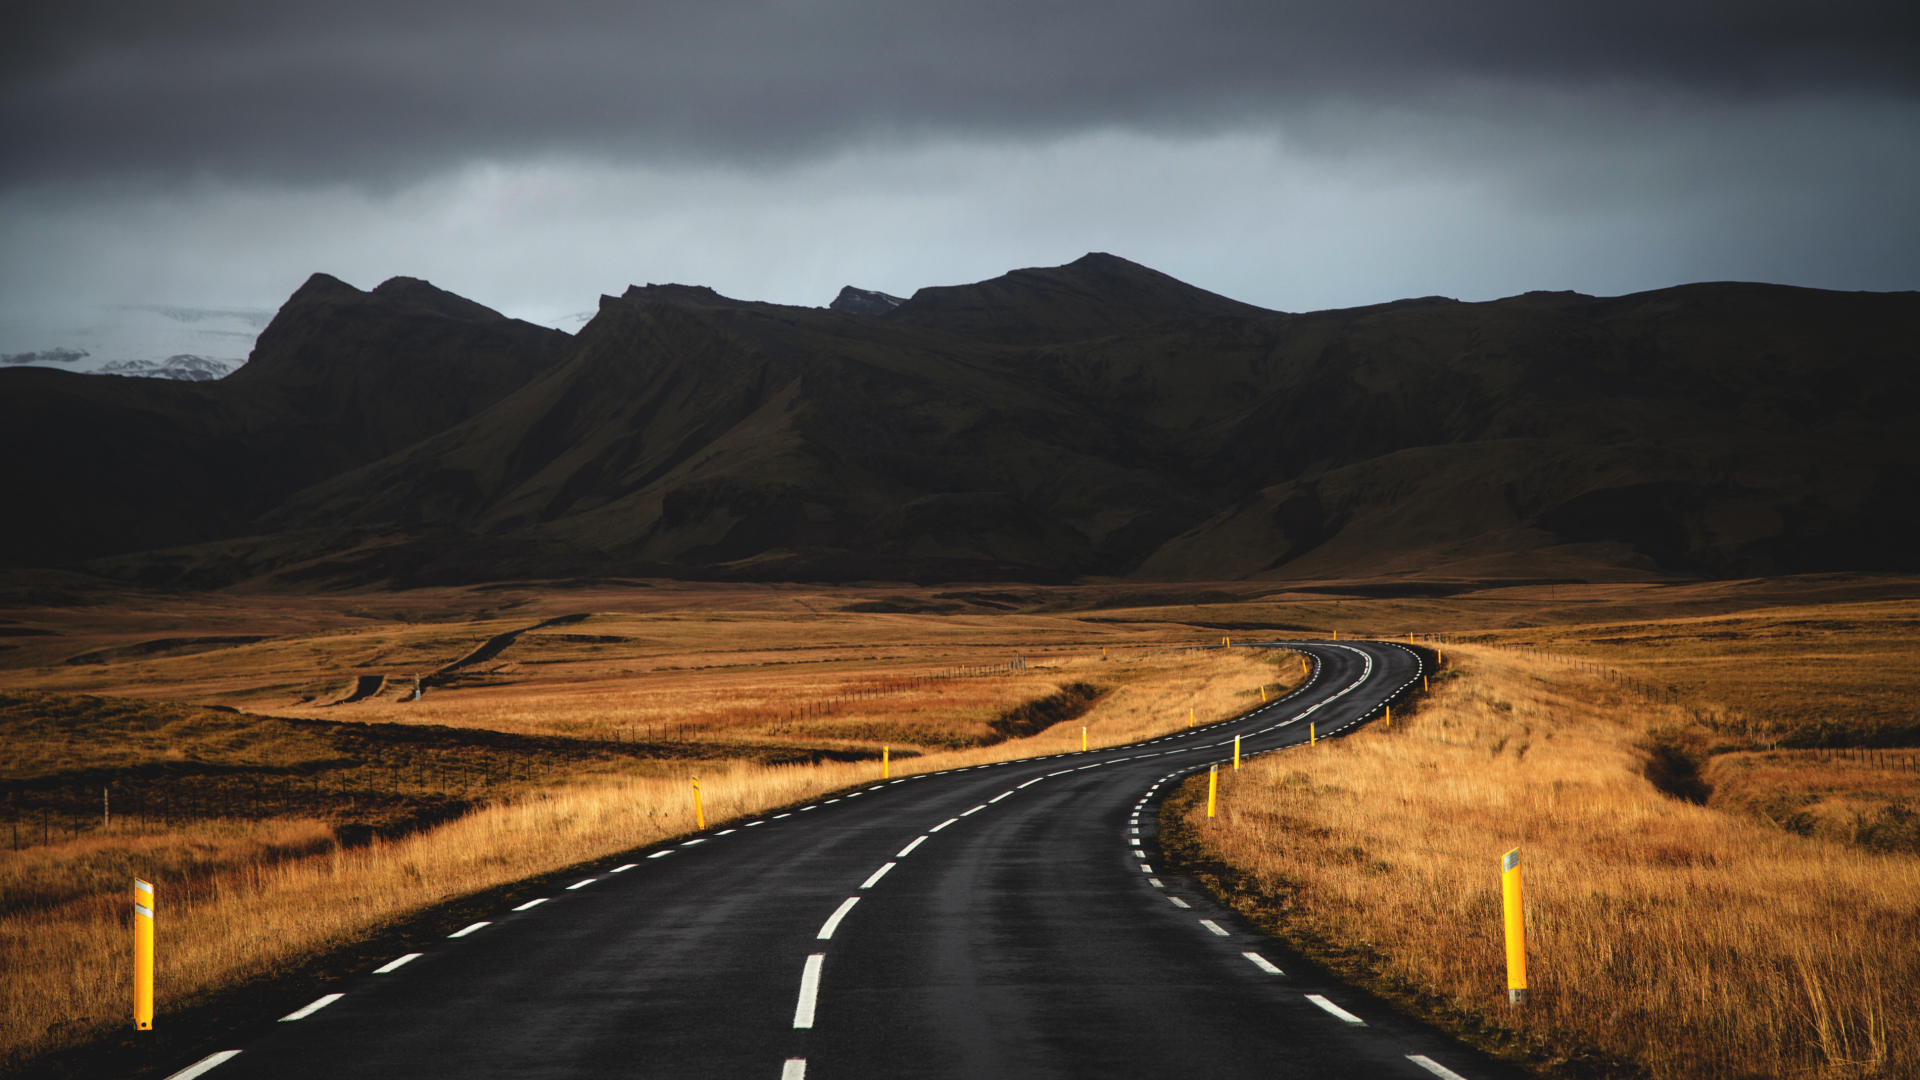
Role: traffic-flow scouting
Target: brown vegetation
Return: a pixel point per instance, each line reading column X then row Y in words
column 1664, row 936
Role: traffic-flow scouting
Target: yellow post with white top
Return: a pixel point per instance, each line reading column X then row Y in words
column 1516, row 928
column 142, row 955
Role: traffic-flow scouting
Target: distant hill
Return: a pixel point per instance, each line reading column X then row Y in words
column 1094, row 419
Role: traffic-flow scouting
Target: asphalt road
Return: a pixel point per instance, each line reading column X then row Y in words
column 1000, row 921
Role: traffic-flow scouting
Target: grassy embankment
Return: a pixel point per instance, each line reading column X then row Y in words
column 246, row 899
column 1666, row 937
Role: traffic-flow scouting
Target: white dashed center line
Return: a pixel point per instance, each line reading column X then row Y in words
column 1215, row 927
column 1179, row 903
column 309, row 1010
column 1000, row 796
column 463, row 932
column 1145, row 869
column 975, row 810
column 623, row 869
column 794, row 1069
column 659, row 854
column 703, row 839
column 1033, row 781
column 877, row 875
column 1336, row 1010
column 581, row 884
column 724, row 832
column 1154, row 881
column 531, row 904
column 908, row 850
column 751, row 824
column 395, row 965
column 833, row 921
column 204, row 1064
column 943, row 824
column 1263, row 963
column 777, row 817
column 1434, row 1067
column 809, row 991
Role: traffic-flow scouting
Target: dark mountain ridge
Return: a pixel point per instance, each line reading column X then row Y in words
column 1097, row 418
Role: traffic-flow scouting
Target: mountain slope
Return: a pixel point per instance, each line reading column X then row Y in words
column 1092, row 419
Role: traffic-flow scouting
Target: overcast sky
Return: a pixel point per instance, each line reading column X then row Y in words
column 1293, row 155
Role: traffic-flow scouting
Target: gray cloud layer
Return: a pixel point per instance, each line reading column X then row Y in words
column 382, row 92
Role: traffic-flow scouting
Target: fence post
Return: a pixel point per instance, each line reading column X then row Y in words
column 142, row 955
column 1516, row 928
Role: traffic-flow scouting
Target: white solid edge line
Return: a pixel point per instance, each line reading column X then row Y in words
column 809, row 991
column 1215, row 927
column 581, row 884
column 908, row 850
column 395, row 965
column 1000, row 796
column 531, row 903
column 623, row 869
column 1336, row 1010
column 833, row 921
column 942, row 825
column 1263, row 963
column 308, row 1010
column 794, row 1069
column 975, row 810
column 1428, row 1064
column 877, row 875
column 468, row 930
column 206, row 1063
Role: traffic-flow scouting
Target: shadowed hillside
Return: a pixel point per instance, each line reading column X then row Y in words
column 1097, row 418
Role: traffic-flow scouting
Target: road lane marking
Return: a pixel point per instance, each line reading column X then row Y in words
column 1154, row 881
column 833, row 921
column 1426, row 1063
column 1179, row 903
column 1263, row 963
column 1135, row 832
column 777, row 817
column 531, row 904
column 623, row 869
column 581, row 884
column 877, row 875
column 1215, row 927
column 809, row 991
column 1095, row 765
column 1062, row 772
column 804, row 809
column 943, row 825
column 794, row 1069
column 1031, row 782
column 660, row 854
column 1135, row 843
column 829, row 802
column 395, row 965
column 1139, row 854
column 908, row 850
column 1000, row 796
column 1336, row 1010
column 975, row 810
column 702, row 840
column 751, row 824
column 208, row 1062
column 1145, row 869
column 724, row 832
column 468, row 930
column 308, row 1010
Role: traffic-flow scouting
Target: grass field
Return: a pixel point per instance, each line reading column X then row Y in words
column 1664, row 936
column 1694, row 728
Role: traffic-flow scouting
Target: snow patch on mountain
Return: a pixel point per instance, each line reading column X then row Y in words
column 152, row 340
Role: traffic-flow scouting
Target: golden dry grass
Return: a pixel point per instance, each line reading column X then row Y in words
column 1686, row 940
column 228, row 917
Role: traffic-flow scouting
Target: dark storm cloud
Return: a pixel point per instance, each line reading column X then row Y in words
column 376, row 92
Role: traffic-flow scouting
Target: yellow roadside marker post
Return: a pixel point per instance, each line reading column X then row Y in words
column 1336, row 635
column 1189, row 718
column 1389, row 722
column 1083, row 739
column 1236, row 753
column 886, row 762
column 1516, row 928
column 142, row 955
column 699, row 813
column 1263, row 694
column 1213, row 787
column 1312, row 735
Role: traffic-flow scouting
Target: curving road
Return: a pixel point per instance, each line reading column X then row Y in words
column 1001, row 921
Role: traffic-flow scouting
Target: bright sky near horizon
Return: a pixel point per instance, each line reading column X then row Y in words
column 1295, row 155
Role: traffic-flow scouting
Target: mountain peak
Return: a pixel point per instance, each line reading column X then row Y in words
column 420, row 293
column 854, row 301
column 1096, row 295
